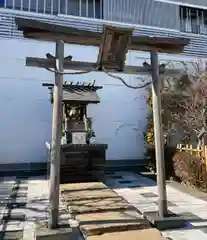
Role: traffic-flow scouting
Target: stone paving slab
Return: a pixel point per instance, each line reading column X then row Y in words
column 146, row 234
column 100, row 223
column 91, row 197
column 99, row 210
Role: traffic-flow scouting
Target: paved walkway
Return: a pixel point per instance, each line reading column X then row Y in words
column 103, row 214
column 24, row 202
column 21, row 206
column 141, row 192
column 24, row 207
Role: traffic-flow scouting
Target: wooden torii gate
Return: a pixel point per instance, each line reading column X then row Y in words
column 113, row 43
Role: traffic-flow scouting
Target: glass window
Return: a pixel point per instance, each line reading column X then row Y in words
column 83, row 8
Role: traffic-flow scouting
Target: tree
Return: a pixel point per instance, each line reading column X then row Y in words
column 184, row 110
column 192, row 109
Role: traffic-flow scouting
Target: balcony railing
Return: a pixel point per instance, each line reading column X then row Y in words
column 81, row 8
column 193, row 27
column 193, row 20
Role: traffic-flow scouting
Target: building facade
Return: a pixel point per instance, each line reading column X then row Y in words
column 26, row 111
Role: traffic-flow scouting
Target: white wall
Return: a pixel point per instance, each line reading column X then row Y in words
column 25, row 109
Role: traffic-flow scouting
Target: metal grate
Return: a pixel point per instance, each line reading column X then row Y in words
column 81, row 8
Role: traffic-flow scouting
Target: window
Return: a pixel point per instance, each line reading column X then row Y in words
column 82, row 8
column 1, row 3
column 193, row 20
column 39, row 6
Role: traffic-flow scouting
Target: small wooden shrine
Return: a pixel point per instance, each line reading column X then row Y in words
column 78, row 152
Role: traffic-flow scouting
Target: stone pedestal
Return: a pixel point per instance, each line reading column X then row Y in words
column 172, row 221
column 64, row 232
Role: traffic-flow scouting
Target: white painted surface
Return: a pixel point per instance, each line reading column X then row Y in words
column 26, row 111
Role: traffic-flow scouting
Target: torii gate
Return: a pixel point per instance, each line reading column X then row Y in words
column 113, row 44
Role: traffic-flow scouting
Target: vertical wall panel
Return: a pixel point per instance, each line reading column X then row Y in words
column 147, row 12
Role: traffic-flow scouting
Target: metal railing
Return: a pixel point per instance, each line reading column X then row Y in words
column 193, row 27
column 81, row 8
column 193, row 20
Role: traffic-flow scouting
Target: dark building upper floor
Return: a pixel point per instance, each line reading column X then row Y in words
column 178, row 15
column 185, row 15
column 173, row 18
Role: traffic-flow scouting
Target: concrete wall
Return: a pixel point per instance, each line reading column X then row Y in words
column 26, row 112
column 25, row 122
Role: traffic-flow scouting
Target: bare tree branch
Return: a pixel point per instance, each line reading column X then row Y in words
column 189, row 109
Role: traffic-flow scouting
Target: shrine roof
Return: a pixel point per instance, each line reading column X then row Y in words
column 78, row 93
